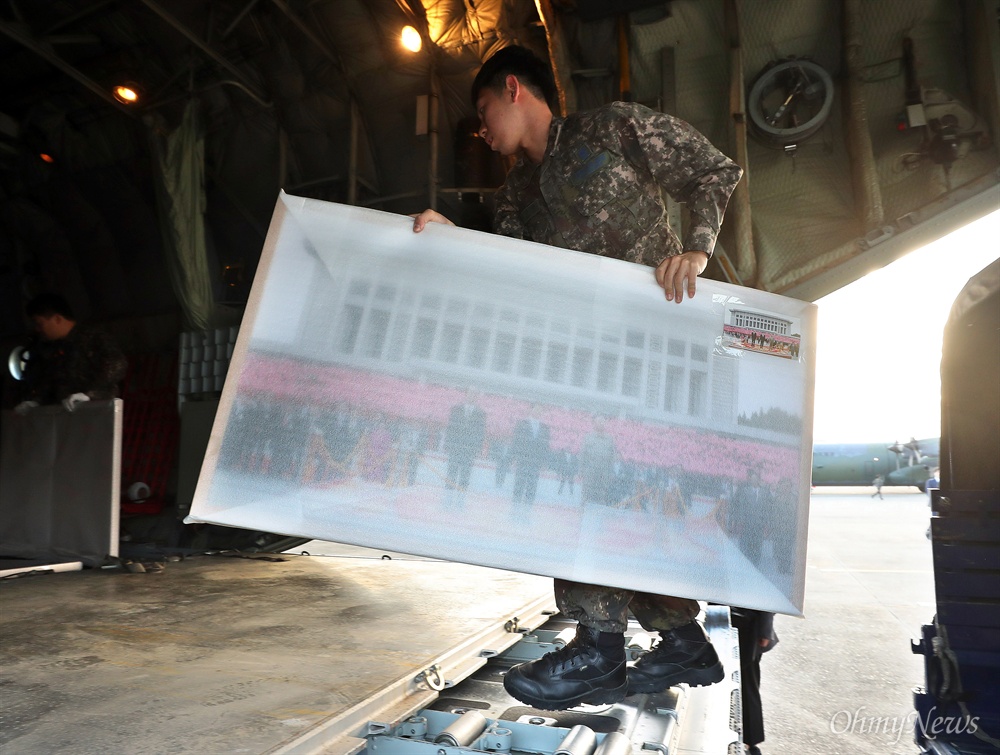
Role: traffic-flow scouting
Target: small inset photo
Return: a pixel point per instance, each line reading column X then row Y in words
column 763, row 332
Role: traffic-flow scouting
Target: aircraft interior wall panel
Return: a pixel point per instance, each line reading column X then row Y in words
column 465, row 396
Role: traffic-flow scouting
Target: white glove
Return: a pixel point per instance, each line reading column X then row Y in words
column 24, row 407
column 70, row 402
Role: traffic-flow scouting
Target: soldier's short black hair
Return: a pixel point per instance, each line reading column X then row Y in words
column 533, row 73
column 47, row 305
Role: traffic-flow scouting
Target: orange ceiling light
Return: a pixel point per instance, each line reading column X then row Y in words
column 127, row 93
column 410, row 39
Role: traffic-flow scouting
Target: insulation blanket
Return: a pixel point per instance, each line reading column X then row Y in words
column 492, row 401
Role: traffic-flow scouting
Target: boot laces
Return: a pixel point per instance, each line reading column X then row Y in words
column 560, row 657
column 666, row 647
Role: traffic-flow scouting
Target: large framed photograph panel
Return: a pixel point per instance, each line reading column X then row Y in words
column 465, row 396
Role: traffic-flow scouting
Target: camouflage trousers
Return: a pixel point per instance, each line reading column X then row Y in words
column 607, row 608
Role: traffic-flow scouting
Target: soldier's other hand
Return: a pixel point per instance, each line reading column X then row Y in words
column 428, row 216
column 677, row 274
column 74, row 400
column 24, row 407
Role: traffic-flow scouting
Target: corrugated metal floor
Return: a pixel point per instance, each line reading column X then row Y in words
column 229, row 655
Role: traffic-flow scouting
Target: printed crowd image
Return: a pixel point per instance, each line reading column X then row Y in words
column 597, row 437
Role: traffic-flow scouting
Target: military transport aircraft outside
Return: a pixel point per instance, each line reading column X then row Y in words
column 910, row 463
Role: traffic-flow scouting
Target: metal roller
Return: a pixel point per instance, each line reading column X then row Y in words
column 566, row 636
column 465, row 730
column 640, row 643
column 581, row 740
column 615, row 743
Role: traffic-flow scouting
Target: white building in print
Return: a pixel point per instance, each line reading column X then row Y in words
column 464, row 332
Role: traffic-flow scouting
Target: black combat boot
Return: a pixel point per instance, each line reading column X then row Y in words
column 683, row 655
column 579, row 673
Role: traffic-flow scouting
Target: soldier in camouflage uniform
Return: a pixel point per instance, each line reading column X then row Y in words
column 598, row 189
column 594, row 182
column 72, row 362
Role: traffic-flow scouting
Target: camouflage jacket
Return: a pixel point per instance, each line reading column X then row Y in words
column 87, row 361
column 599, row 187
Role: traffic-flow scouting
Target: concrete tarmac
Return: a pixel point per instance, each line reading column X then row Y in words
column 840, row 681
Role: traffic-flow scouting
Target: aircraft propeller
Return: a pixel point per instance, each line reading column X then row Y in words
column 911, row 449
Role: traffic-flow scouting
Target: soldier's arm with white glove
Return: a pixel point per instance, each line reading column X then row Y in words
column 73, row 400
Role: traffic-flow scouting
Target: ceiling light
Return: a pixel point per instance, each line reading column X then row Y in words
column 17, row 361
column 127, row 93
column 410, row 38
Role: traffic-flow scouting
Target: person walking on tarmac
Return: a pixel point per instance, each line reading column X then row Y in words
column 878, row 482
column 592, row 182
